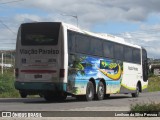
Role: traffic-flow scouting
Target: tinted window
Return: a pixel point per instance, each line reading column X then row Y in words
column 82, row 44
column 71, row 41
column 108, row 48
column 118, row 49
column 40, row 33
column 96, row 46
column 128, row 54
column 145, row 65
column 136, row 56
column 144, row 55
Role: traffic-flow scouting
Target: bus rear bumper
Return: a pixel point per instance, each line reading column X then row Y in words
column 39, row 87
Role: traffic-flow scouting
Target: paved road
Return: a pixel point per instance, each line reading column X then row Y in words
column 114, row 103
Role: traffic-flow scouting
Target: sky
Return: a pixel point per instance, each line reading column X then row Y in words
column 137, row 21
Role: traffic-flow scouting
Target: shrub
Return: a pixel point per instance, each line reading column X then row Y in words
column 146, row 107
column 154, row 84
column 7, row 85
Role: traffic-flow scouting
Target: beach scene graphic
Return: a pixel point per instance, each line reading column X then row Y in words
column 82, row 68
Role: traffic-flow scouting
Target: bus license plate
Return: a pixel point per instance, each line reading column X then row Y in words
column 37, row 76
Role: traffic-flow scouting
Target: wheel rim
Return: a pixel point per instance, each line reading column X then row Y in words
column 137, row 92
column 101, row 91
column 90, row 94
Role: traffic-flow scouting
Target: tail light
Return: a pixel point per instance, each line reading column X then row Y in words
column 16, row 72
column 62, row 73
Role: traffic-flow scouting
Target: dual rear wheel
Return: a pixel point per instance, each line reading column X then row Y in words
column 90, row 92
column 100, row 91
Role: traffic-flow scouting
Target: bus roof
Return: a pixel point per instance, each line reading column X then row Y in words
column 101, row 35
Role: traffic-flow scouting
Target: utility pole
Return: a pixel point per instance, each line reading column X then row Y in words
column 2, row 64
column 74, row 16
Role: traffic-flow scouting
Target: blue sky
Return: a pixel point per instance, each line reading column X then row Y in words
column 137, row 21
column 115, row 27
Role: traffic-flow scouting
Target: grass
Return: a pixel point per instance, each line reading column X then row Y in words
column 154, row 84
column 7, row 85
column 145, row 107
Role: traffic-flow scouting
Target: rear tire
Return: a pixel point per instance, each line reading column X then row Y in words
column 100, row 91
column 136, row 94
column 23, row 94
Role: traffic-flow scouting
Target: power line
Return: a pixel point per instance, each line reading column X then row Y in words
column 6, row 26
column 11, row 2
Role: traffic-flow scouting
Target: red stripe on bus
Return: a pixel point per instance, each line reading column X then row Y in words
column 39, row 71
column 39, row 65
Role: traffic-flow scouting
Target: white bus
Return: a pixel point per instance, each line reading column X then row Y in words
column 54, row 59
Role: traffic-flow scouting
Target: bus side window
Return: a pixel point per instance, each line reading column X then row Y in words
column 118, row 49
column 108, row 49
column 145, row 65
column 136, row 56
column 96, row 48
column 83, row 44
column 71, row 41
column 128, row 54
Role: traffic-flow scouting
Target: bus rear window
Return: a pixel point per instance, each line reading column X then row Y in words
column 40, row 33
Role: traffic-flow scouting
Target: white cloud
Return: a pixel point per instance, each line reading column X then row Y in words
column 148, row 37
column 90, row 12
column 20, row 18
column 7, row 39
column 93, row 11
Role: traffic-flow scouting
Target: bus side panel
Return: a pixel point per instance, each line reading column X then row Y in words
column 120, row 77
column 82, row 68
column 132, row 73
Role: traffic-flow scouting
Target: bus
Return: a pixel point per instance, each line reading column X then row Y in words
column 55, row 59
